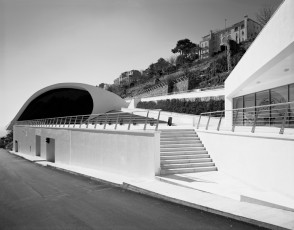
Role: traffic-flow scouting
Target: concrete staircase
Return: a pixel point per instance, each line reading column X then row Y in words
column 181, row 151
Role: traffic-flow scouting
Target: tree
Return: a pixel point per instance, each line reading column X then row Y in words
column 172, row 60
column 264, row 15
column 161, row 65
column 184, row 47
column 101, row 85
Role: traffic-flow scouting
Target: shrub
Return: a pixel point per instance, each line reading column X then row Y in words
column 184, row 106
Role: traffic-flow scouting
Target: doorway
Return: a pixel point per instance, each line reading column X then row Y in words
column 38, row 145
column 50, row 149
column 16, row 146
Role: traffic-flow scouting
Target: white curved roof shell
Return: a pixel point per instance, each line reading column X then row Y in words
column 103, row 101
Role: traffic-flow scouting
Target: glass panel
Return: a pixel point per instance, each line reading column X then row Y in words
column 291, row 92
column 278, row 95
column 263, row 113
column 238, row 114
column 249, row 101
column 291, row 111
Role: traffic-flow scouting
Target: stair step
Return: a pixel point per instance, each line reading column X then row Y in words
column 192, row 156
column 186, row 142
column 181, row 149
column 179, row 138
column 181, row 145
column 187, row 165
column 178, row 135
column 187, row 170
column 184, row 161
column 173, row 153
column 173, row 130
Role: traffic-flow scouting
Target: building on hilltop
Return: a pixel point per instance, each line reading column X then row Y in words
column 244, row 30
column 127, row 78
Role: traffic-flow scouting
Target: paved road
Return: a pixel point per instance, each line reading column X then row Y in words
column 37, row 197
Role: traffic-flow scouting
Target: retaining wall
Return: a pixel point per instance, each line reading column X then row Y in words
column 130, row 153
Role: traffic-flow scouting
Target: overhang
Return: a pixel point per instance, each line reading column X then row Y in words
column 103, row 101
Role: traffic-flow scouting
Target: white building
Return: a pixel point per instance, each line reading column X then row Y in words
column 245, row 30
column 264, row 75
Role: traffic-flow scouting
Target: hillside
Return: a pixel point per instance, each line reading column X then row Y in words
column 210, row 72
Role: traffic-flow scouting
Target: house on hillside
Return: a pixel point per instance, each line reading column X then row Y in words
column 127, row 78
column 244, row 30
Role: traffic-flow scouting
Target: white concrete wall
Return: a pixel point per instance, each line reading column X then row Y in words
column 261, row 161
column 196, row 94
column 129, row 153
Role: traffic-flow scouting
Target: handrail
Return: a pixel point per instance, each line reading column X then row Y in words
column 252, row 107
column 91, row 120
column 280, row 115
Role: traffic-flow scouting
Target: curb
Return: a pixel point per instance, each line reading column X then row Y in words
column 200, row 207
column 83, row 175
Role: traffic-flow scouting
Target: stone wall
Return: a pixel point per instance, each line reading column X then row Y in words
column 162, row 90
column 181, row 86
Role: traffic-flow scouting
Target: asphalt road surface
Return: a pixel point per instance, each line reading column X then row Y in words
column 37, row 197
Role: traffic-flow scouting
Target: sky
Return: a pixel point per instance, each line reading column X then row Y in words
column 44, row 42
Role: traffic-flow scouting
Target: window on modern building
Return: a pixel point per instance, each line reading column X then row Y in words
column 249, row 114
column 238, row 114
column 291, row 92
column 291, row 109
column 278, row 95
column 263, row 98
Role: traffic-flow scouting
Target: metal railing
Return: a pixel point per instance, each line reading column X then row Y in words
column 279, row 116
column 149, row 117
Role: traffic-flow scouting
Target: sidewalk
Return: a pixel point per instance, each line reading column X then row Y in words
column 180, row 189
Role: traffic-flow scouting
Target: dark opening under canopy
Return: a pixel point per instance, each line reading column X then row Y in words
column 58, row 103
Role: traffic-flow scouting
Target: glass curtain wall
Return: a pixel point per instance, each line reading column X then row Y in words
column 265, row 115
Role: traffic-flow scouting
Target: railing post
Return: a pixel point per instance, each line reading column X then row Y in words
column 81, row 121
column 219, row 122
column 88, row 122
column 56, row 121
column 75, row 121
column 234, row 121
column 146, row 120
column 117, row 120
column 156, row 128
column 69, row 122
column 64, row 121
column 207, row 124
column 96, row 122
column 254, row 122
column 199, row 121
column 129, row 126
column 106, row 117
column 60, row 122
column 284, row 121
